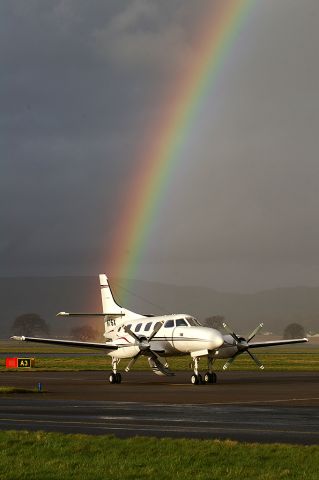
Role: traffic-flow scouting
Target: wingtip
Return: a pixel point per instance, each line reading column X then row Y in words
column 17, row 337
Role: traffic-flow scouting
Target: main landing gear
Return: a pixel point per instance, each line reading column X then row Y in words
column 115, row 377
column 209, row 377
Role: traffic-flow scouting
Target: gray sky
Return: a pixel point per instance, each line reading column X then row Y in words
column 80, row 84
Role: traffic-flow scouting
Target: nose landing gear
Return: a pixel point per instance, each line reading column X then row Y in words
column 209, row 377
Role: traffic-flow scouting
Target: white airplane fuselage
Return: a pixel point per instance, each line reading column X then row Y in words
column 172, row 339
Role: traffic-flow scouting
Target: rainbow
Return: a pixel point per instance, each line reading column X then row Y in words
column 162, row 153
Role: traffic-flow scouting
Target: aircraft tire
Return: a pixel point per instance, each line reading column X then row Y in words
column 194, row 379
column 210, row 377
column 112, row 378
column 118, row 377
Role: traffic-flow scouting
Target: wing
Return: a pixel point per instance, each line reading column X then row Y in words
column 80, row 314
column 70, row 343
column 277, row 342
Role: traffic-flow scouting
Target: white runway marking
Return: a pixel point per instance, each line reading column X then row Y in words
column 279, row 400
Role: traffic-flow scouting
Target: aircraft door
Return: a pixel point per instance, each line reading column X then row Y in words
column 169, row 327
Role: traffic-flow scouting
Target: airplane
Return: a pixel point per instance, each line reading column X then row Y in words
column 130, row 335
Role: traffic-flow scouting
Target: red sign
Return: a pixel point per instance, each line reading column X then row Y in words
column 19, row 362
column 11, row 363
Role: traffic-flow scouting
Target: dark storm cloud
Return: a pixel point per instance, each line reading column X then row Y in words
column 80, row 84
column 76, row 83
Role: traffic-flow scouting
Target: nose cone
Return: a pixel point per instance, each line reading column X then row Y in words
column 215, row 338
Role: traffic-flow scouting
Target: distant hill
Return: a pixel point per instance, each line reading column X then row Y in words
column 48, row 295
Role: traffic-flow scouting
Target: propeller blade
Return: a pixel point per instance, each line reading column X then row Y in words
column 251, row 336
column 157, row 366
column 158, row 326
column 230, row 361
column 131, row 362
column 255, row 359
column 229, row 330
column 129, row 331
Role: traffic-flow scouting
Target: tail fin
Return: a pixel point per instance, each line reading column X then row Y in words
column 108, row 302
column 110, row 305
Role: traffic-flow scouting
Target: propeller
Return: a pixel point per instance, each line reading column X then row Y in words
column 242, row 345
column 145, row 349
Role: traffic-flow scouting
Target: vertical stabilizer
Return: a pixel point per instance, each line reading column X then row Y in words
column 110, row 305
column 108, row 302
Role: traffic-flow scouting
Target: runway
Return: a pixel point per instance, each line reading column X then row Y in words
column 250, row 388
column 245, row 406
column 253, row 424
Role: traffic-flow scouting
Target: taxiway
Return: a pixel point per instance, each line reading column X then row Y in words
column 246, row 406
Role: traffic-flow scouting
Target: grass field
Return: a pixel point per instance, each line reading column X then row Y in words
column 27, row 455
column 279, row 362
column 283, row 361
column 7, row 390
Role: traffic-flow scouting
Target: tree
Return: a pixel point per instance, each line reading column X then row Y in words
column 215, row 321
column 294, row 330
column 84, row 333
column 30, row 324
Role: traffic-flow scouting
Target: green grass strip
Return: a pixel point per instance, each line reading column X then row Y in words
column 273, row 361
column 8, row 390
column 27, row 455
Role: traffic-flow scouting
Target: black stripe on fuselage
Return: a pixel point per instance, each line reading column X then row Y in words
column 163, row 339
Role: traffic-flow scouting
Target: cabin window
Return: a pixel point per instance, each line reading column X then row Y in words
column 147, row 326
column 180, row 322
column 138, row 327
column 169, row 324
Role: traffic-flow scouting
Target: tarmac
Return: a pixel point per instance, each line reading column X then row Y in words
column 244, row 406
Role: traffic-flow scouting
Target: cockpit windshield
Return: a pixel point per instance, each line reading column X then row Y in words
column 193, row 322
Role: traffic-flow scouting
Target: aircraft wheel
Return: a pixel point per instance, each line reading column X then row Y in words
column 210, row 377
column 194, row 379
column 112, row 378
column 118, row 377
